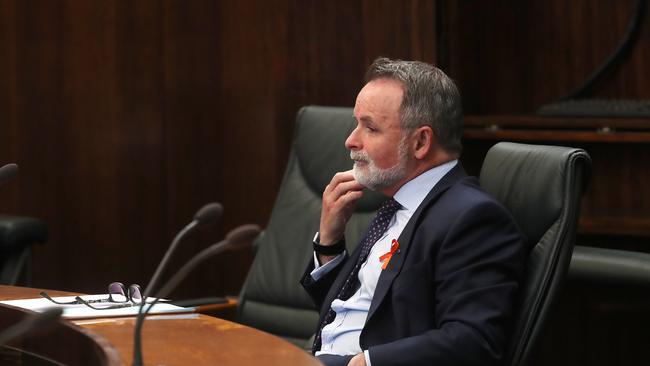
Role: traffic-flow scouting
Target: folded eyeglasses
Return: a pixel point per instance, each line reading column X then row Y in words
column 118, row 294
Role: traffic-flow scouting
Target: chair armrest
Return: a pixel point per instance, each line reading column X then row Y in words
column 611, row 266
column 17, row 232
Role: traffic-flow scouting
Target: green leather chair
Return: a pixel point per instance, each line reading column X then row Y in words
column 272, row 298
column 542, row 187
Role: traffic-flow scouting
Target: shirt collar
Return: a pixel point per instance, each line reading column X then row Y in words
column 411, row 194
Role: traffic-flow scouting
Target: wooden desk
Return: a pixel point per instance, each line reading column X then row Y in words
column 181, row 339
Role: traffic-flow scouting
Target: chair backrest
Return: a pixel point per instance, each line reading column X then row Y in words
column 542, row 187
column 272, row 298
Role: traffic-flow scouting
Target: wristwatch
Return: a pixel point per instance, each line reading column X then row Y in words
column 334, row 249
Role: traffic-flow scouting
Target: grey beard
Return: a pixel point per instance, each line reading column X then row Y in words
column 376, row 178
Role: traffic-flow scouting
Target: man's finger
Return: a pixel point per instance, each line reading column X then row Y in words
column 339, row 178
column 346, row 187
column 350, row 197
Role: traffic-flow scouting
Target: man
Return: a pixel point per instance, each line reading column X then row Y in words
column 434, row 280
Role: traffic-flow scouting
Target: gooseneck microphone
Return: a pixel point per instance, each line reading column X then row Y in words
column 7, row 172
column 206, row 214
column 32, row 322
column 238, row 238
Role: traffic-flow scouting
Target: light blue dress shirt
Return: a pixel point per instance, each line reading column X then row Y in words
column 341, row 336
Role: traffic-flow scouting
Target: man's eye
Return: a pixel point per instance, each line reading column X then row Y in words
column 371, row 129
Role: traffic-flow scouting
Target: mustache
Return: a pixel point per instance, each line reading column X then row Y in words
column 359, row 156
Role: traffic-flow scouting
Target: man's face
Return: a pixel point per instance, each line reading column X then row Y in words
column 377, row 146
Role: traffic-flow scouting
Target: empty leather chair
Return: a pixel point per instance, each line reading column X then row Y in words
column 542, row 187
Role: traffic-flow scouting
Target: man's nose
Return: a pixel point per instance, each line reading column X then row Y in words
column 352, row 142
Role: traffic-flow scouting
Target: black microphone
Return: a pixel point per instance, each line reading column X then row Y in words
column 32, row 322
column 7, row 172
column 206, row 214
column 238, row 238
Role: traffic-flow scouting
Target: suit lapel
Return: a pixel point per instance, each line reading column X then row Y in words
column 395, row 265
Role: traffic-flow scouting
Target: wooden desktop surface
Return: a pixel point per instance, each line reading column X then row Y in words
column 180, row 339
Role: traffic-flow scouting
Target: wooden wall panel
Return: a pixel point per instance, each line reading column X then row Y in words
column 87, row 106
column 231, row 135
column 514, row 56
column 125, row 117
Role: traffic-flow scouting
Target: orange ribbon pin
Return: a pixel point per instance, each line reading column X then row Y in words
column 384, row 259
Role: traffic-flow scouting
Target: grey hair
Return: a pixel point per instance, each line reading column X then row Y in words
column 430, row 99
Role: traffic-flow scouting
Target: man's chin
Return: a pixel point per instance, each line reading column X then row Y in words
column 359, row 175
column 365, row 181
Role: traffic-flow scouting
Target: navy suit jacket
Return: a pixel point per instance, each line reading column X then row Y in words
column 447, row 295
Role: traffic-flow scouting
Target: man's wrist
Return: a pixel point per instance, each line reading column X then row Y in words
column 328, row 250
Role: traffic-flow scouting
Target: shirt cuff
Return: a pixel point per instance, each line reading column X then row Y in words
column 366, row 355
column 319, row 271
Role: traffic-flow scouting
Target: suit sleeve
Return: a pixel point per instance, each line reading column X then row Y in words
column 317, row 290
column 477, row 269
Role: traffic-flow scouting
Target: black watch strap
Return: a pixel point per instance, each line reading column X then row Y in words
column 335, row 249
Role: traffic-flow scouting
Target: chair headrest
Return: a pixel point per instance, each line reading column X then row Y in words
column 320, row 149
column 530, row 180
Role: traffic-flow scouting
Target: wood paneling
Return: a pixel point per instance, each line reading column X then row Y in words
column 511, row 57
column 125, row 117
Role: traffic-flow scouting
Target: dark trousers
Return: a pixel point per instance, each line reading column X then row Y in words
column 334, row 360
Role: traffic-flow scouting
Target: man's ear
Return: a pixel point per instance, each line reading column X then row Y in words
column 423, row 141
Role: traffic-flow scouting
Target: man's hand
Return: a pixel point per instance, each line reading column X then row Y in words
column 339, row 199
column 358, row 360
